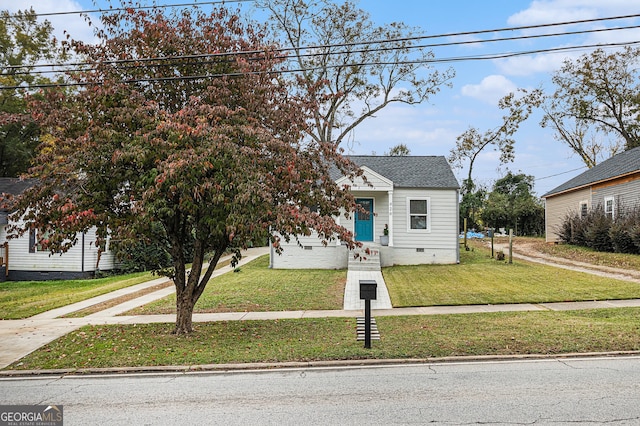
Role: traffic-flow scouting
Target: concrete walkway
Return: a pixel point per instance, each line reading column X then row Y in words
column 21, row 337
column 18, row 338
column 352, row 291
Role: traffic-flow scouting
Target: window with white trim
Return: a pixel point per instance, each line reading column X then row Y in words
column 609, row 207
column 418, row 214
column 35, row 240
column 584, row 208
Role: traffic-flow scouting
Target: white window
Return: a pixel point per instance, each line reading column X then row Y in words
column 609, row 207
column 418, row 214
column 584, row 207
column 35, row 240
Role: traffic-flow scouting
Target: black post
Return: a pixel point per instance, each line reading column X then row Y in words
column 367, row 323
column 368, row 292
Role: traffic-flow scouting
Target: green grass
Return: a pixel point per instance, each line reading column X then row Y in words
column 22, row 299
column 257, row 288
column 481, row 280
column 334, row 339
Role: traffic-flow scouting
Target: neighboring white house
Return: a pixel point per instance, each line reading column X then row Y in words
column 22, row 258
column 415, row 197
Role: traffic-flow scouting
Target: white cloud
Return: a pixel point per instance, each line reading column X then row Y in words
column 72, row 24
column 550, row 11
column 541, row 63
column 545, row 11
column 490, row 89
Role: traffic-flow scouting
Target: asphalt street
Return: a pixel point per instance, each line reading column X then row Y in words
column 554, row 391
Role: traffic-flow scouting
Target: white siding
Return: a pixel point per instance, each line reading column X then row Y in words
column 443, row 231
column 75, row 260
column 312, row 255
column 439, row 244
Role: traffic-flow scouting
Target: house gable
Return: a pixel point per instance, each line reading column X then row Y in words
column 407, row 172
column 374, row 181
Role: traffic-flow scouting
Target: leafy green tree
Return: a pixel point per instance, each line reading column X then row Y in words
column 513, row 205
column 596, row 97
column 176, row 125
column 400, row 150
column 23, row 43
column 353, row 67
column 471, row 204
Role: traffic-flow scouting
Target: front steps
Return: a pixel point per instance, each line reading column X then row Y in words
column 365, row 258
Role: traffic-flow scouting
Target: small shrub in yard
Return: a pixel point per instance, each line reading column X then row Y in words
column 601, row 232
column 621, row 234
column 573, row 229
column 597, row 231
column 634, row 233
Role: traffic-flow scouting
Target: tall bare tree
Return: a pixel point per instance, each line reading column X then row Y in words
column 595, row 108
column 353, row 67
column 471, row 143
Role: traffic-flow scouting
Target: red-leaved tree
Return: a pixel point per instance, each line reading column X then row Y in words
column 181, row 121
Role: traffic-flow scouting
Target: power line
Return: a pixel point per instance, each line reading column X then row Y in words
column 122, row 9
column 287, row 49
column 70, row 67
column 361, row 64
column 562, row 173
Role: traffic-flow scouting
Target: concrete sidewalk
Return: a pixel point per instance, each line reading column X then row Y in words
column 21, row 337
column 18, row 338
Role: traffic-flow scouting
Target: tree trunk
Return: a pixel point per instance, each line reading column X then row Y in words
column 184, row 313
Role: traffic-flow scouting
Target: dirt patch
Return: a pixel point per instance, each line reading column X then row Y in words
column 542, row 252
column 118, row 300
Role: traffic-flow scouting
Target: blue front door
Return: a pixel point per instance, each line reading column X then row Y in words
column 364, row 220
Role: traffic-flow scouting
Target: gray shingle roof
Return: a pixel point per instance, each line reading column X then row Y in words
column 619, row 165
column 409, row 171
column 14, row 186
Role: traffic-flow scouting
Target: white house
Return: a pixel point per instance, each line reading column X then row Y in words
column 22, row 259
column 414, row 197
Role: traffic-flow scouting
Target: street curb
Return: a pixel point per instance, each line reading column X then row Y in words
column 270, row 366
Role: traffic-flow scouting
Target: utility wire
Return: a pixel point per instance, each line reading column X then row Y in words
column 561, row 173
column 137, row 61
column 361, row 64
column 78, row 66
column 122, row 9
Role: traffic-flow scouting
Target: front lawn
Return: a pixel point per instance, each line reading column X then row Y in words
column 509, row 333
column 479, row 279
column 257, row 288
column 22, row 299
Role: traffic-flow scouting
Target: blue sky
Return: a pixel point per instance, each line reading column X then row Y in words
column 432, row 128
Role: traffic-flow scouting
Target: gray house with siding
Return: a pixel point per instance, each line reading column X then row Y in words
column 415, row 197
column 23, row 259
column 613, row 184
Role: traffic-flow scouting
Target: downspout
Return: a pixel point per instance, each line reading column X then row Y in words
column 391, row 232
column 82, row 255
column 457, row 225
column 271, row 250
